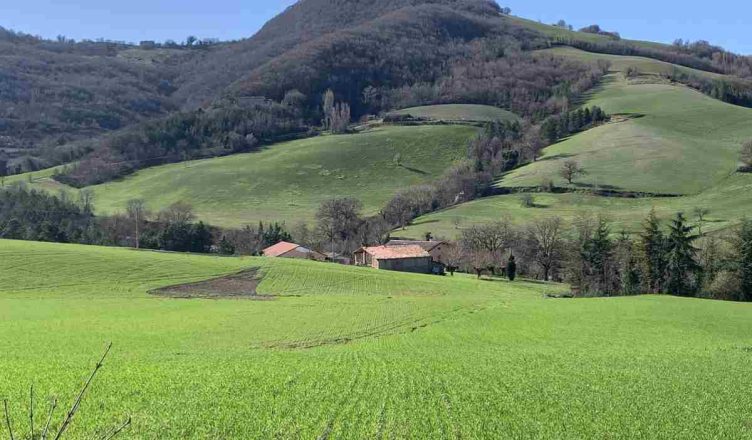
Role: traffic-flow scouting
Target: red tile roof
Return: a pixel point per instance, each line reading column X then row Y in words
column 395, row 252
column 280, row 248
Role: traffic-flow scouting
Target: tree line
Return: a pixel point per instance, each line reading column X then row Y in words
column 676, row 258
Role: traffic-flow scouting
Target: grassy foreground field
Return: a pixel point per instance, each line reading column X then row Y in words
column 355, row 353
column 460, row 112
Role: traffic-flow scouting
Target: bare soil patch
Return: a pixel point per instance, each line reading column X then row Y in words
column 241, row 285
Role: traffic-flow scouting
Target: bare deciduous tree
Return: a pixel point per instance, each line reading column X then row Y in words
column 136, row 211
column 178, row 213
column 745, row 155
column 570, row 170
column 546, row 243
column 492, row 238
column 455, row 257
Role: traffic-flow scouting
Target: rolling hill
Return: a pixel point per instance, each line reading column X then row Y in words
column 352, row 352
column 672, row 140
column 666, row 140
column 287, row 182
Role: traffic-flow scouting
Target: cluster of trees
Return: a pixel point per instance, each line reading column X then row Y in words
column 595, row 29
column 27, row 214
column 597, row 262
column 502, row 146
column 560, row 126
column 171, row 229
column 35, row 215
column 733, row 91
column 336, row 114
column 725, row 61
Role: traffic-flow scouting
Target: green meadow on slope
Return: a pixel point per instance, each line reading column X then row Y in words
column 355, row 353
column 675, row 141
column 459, row 112
column 728, row 203
column 288, row 181
column 666, row 140
column 620, row 63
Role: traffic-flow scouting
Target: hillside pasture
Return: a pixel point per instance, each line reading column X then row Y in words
column 620, row 63
column 344, row 352
column 286, row 182
column 728, row 203
column 668, row 140
column 459, row 112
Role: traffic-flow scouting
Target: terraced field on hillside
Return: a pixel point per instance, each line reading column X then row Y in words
column 351, row 353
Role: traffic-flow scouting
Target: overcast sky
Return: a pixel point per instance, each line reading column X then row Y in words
column 724, row 22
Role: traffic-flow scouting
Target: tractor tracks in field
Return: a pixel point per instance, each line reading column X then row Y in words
column 396, row 328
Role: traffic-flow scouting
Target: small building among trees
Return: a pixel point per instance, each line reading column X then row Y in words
column 284, row 249
column 396, row 258
column 437, row 249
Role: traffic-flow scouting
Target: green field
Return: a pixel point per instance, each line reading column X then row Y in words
column 288, row 181
column 728, row 203
column 356, row 353
column 460, row 112
column 620, row 63
column 677, row 141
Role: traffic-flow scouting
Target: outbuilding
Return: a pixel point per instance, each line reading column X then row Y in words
column 437, row 249
column 396, row 258
column 284, row 249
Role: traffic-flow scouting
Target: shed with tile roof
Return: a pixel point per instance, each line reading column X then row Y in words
column 397, row 258
column 284, row 249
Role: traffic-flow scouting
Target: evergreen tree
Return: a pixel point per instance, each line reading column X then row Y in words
column 654, row 249
column 681, row 264
column 745, row 260
column 598, row 254
column 201, row 238
column 226, row 247
column 512, row 268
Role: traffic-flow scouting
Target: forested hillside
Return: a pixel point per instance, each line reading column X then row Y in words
column 121, row 107
column 53, row 94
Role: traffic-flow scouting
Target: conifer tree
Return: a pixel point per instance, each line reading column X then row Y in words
column 681, row 263
column 745, row 260
column 654, row 249
column 512, row 268
column 599, row 256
